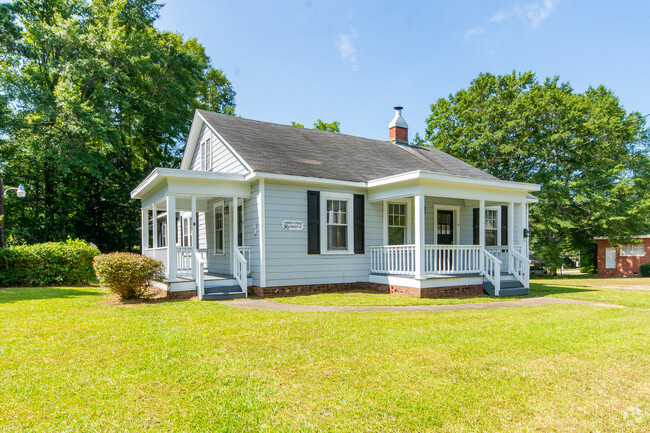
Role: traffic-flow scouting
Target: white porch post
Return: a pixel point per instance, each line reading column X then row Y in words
column 154, row 225
column 171, row 237
column 195, row 239
column 144, row 225
column 511, row 233
column 419, row 237
column 524, row 225
column 235, row 235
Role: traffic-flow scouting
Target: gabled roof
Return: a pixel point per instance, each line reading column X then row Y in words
column 282, row 149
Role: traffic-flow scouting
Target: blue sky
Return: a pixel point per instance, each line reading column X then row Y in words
column 352, row 61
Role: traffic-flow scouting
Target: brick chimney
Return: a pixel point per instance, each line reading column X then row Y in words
column 399, row 129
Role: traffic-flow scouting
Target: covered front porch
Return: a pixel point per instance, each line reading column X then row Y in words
column 434, row 240
column 197, row 231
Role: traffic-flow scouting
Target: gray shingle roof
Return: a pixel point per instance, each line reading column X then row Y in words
column 282, row 149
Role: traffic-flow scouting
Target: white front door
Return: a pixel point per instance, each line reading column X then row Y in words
column 610, row 258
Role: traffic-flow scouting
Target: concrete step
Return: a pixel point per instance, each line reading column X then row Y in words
column 225, row 282
column 507, row 288
column 223, row 293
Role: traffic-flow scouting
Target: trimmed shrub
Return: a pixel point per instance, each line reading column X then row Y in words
column 645, row 270
column 127, row 274
column 69, row 262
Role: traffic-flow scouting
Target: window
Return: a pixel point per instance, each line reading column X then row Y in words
column 218, row 229
column 632, row 250
column 206, row 155
column 336, row 233
column 396, row 224
column 492, row 226
column 186, row 228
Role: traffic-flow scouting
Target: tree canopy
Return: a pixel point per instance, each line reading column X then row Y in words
column 94, row 98
column 321, row 126
column 589, row 155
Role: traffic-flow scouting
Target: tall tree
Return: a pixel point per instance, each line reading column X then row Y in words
column 96, row 98
column 587, row 152
column 324, row 126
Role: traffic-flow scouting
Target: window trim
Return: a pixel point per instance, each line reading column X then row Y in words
column 456, row 209
column 186, row 232
column 497, row 209
column 409, row 225
column 242, row 221
column 624, row 252
column 324, row 196
column 215, row 251
column 205, row 153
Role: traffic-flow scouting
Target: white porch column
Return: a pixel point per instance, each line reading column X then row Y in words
column 195, row 239
column 235, row 235
column 144, row 225
column 154, row 225
column 511, row 233
column 171, row 237
column 524, row 226
column 481, row 223
column 419, row 237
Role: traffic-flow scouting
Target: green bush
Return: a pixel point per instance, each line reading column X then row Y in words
column 127, row 274
column 69, row 262
column 645, row 270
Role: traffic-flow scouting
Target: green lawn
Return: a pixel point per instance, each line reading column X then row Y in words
column 365, row 299
column 70, row 362
column 614, row 290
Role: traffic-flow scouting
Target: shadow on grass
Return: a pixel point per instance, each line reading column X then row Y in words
column 564, row 277
column 541, row 289
column 15, row 294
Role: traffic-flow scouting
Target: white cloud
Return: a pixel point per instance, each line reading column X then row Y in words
column 474, row 32
column 347, row 49
column 532, row 13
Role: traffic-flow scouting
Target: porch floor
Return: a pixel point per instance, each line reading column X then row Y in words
column 436, row 276
column 210, row 276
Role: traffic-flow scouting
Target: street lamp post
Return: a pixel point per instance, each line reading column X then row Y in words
column 20, row 192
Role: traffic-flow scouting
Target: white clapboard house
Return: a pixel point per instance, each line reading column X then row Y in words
column 274, row 209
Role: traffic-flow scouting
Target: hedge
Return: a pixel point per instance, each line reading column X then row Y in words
column 127, row 274
column 645, row 270
column 69, row 262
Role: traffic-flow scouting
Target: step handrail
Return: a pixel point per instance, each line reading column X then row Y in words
column 241, row 271
column 521, row 267
column 491, row 269
column 199, row 276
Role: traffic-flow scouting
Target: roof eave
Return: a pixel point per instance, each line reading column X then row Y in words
column 423, row 174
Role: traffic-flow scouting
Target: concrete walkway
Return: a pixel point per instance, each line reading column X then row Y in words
column 261, row 304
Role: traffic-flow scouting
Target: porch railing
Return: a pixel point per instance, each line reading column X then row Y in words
column 393, row 259
column 241, row 271
column 452, row 259
column 246, row 252
column 184, row 257
column 199, row 273
column 520, row 267
column 491, row 269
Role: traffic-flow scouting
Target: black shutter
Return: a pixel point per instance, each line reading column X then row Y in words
column 504, row 225
column 313, row 222
column 475, row 225
column 359, row 217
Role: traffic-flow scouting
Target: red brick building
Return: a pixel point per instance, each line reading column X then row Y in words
column 624, row 260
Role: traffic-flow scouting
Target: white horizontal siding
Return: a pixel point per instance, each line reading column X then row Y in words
column 287, row 261
column 223, row 159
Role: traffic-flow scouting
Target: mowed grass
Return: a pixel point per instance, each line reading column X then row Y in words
column 629, row 292
column 69, row 362
column 368, row 299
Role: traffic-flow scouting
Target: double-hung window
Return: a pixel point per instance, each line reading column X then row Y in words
column 206, row 155
column 336, row 233
column 218, row 229
column 632, row 250
column 396, row 223
column 492, row 226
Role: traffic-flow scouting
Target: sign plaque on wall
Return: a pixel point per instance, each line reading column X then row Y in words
column 292, row 225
